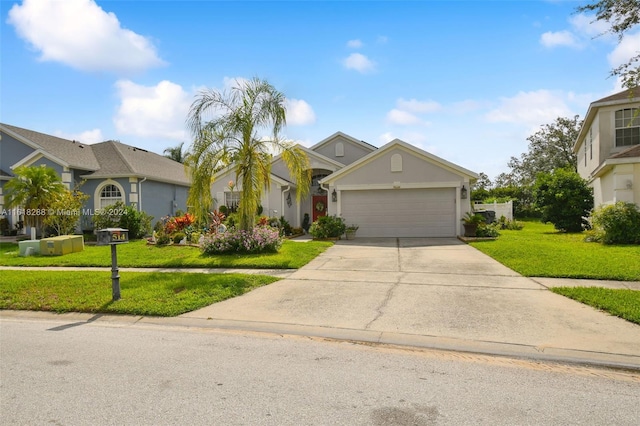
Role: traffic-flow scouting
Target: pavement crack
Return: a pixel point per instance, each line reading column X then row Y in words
column 383, row 305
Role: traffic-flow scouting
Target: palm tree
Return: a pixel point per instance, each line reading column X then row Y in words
column 33, row 189
column 231, row 135
column 175, row 153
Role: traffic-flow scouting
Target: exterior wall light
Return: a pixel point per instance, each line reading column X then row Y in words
column 334, row 196
column 463, row 193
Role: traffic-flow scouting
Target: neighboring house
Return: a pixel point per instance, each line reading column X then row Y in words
column 397, row 190
column 608, row 148
column 109, row 172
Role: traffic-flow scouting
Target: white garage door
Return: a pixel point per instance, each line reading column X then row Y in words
column 401, row 212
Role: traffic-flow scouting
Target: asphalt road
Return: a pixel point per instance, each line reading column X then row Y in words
column 65, row 373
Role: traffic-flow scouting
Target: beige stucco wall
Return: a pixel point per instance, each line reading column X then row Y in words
column 414, row 170
column 352, row 151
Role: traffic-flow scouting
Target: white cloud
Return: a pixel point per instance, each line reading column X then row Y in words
column 152, row 111
column 382, row 39
column 81, row 34
column 416, row 106
column 559, row 38
column 402, row 118
column 530, row 108
column 355, row 44
column 87, row 137
column 386, row 137
column 626, row 49
column 299, row 112
column 587, row 25
column 359, row 62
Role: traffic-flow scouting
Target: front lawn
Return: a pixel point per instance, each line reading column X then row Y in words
column 153, row 294
column 622, row 303
column 540, row 251
column 137, row 254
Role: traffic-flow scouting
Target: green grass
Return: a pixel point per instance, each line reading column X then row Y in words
column 150, row 294
column 539, row 251
column 622, row 303
column 138, row 254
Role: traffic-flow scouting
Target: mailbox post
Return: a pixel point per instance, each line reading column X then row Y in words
column 113, row 237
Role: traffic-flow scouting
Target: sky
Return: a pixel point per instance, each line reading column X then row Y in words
column 467, row 81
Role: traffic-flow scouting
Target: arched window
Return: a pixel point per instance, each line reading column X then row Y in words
column 627, row 127
column 110, row 194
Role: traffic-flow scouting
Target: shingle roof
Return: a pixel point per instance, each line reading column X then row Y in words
column 76, row 154
column 118, row 159
column 625, row 95
column 107, row 159
column 634, row 151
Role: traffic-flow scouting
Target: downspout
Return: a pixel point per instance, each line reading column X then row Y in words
column 328, row 200
column 140, row 194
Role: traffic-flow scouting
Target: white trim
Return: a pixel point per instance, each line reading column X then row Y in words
column 345, row 136
column 397, row 143
column 20, row 138
column 36, row 155
column 399, row 185
column 96, row 193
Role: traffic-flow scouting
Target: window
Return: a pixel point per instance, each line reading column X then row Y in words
column 232, row 200
column 627, row 127
column 110, row 194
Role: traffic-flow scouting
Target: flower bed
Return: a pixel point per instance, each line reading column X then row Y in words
column 260, row 239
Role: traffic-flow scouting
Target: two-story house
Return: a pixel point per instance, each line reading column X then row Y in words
column 608, row 148
column 397, row 190
column 108, row 171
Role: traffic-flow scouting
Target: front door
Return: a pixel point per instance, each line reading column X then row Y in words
column 319, row 206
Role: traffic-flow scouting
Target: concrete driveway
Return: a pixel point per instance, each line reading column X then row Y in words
column 431, row 290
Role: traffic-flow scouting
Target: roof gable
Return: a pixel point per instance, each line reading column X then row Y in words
column 350, row 139
column 415, row 151
column 73, row 153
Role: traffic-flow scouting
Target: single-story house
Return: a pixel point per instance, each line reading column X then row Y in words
column 608, row 148
column 109, row 171
column 397, row 190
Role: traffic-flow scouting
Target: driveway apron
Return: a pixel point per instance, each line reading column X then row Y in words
column 436, row 287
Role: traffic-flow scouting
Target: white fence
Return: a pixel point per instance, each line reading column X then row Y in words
column 501, row 209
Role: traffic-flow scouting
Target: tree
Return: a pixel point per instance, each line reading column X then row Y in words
column 175, row 153
column 65, row 212
column 564, row 199
column 232, row 135
column 550, row 148
column 33, row 189
column 481, row 187
column 622, row 16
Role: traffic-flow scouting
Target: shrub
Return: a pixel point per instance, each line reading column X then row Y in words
column 618, row 223
column 261, row 239
column 511, row 225
column 119, row 215
column 163, row 239
column 487, row 230
column 565, row 200
column 328, row 227
column 177, row 237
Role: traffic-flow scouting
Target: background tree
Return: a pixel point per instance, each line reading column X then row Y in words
column 481, row 188
column 550, row 148
column 565, row 199
column 175, row 153
column 234, row 132
column 622, row 16
column 65, row 210
column 33, row 189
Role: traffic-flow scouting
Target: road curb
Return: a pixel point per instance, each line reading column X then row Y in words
column 411, row 341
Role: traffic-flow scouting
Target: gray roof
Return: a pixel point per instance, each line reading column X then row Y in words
column 118, row 159
column 107, row 159
column 76, row 154
column 625, row 95
column 634, row 151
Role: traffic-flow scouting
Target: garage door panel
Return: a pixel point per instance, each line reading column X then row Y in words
column 401, row 212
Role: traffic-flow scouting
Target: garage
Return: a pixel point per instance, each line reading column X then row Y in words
column 401, row 212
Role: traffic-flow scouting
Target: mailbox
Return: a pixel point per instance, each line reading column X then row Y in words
column 112, row 236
